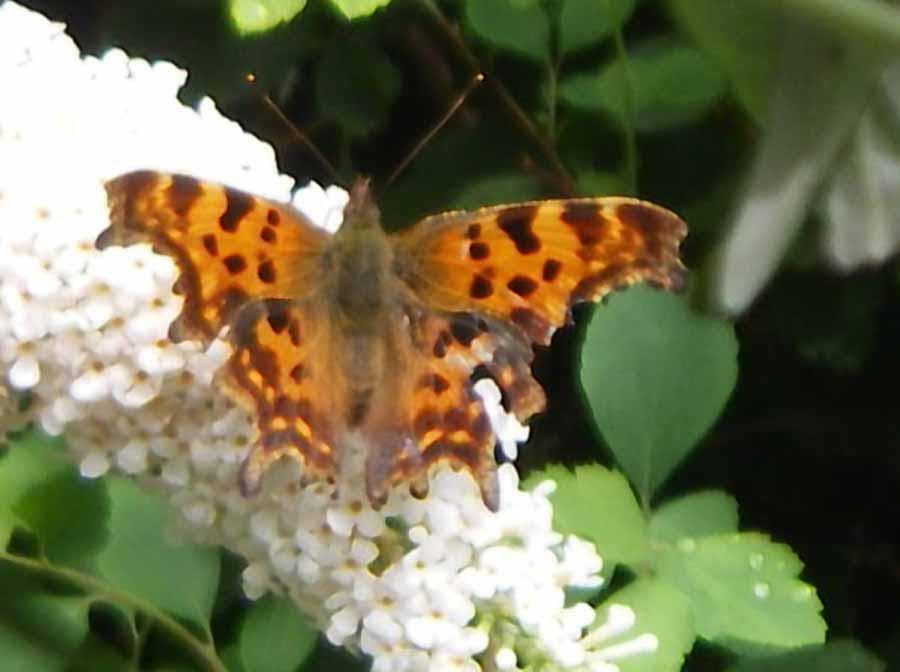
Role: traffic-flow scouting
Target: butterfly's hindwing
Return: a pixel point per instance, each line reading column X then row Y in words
column 279, row 370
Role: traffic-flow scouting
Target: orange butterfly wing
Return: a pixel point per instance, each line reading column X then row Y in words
column 229, row 246
column 431, row 413
column 246, row 263
column 520, row 268
column 279, row 369
column 529, row 263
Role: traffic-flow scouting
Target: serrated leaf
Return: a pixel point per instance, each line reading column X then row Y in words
column 30, row 459
column 744, row 587
column 356, row 84
column 695, row 515
column 656, row 375
column 275, row 637
column 661, row 612
column 671, row 83
column 744, row 55
column 521, row 27
column 358, row 9
column 583, row 23
column 257, row 16
column 178, row 577
column 837, row 656
column 597, row 504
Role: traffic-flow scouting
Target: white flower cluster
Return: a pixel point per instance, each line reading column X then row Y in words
column 433, row 584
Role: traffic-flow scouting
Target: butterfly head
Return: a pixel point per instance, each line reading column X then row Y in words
column 361, row 213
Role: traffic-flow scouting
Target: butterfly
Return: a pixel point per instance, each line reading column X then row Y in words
column 373, row 335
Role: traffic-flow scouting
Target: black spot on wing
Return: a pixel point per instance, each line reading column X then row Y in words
column 585, row 219
column 237, row 205
column 266, row 272
column 481, row 287
column 551, row 270
column 210, row 244
column 479, row 250
column 182, row 193
column 268, row 234
column 516, row 222
column 235, row 263
column 522, row 285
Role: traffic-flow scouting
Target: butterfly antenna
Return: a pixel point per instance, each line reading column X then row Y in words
column 296, row 133
column 457, row 103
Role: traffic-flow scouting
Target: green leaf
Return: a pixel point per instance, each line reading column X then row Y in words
column 30, row 459
column 45, row 624
column 275, row 637
column 837, row 656
column 521, row 27
column 219, row 62
column 68, row 514
column 660, row 611
column 671, row 84
column 583, row 23
column 597, row 504
column 230, row 656
column 20, row 654
column 98, row 654
column 698, row 514
column 743, row 55
column 656, row 375
column 257, row 16
column 178, row 577
column 358, row 9
column 744, row 588
column 356, row 84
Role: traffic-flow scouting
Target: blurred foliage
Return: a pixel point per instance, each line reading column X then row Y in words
column 654, row 438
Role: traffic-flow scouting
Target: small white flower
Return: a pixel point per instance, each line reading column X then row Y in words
column 94, row 465
column 362, row 552
column 354, row 513
column 324, row 207
column 257, row 580
column 25, row 372
column 505, row 659
column 132, row 459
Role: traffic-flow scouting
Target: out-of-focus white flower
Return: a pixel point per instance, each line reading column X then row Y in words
column 434, row 584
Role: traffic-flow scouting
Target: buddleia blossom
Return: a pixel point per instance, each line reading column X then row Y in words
column 434, row 584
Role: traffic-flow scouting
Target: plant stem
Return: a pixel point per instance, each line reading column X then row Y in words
column 563, row 182
column 204, row 653
column 866, row 20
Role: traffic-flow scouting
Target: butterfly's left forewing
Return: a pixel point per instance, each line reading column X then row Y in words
column 230, row 246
